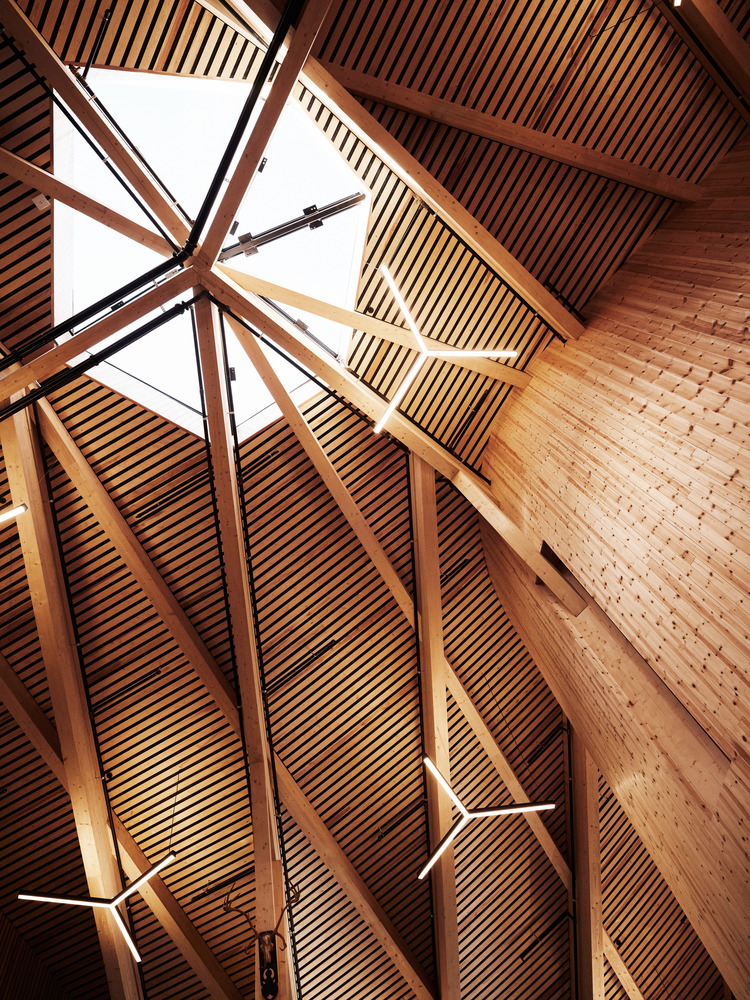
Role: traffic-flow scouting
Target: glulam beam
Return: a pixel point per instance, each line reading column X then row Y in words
column 312, row 357
column 324, row 467
column 244, row 638
column 588, row 868
column 286, row 77
column 326, row 847
column 456, row 116
column 41, row 180
column 370, row 324
column 89, row 487
column 435, row 718
column 718, row 37
column 43, row 736
column 53, row 360
column 27, row 481
column 68, row 87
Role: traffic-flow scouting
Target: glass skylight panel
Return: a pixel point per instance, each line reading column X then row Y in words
column 181, row 127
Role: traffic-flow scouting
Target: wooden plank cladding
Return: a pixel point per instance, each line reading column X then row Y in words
column 25, row 229
column 629, row 456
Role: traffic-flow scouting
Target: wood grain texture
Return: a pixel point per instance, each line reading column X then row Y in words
column 629, row 456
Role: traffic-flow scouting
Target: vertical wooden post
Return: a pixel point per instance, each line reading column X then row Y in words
column 435, row 718
column 588, row 873
column 265, row 835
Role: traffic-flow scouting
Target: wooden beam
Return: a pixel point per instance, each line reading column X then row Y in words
column 435, row 719
column 325, row 469
column 43, row 736
column 674, row 16
column 621, row 971
column 39, row 368
column 518, row 136
column 27, row 482
column 260, row 135
column 244, row 639
column 344, row 872
column 68, row 87
column 42, row 180
column 721, row 40
column 122, row 536
column 590, row 936
column 369, row 324
column 434, row 195
column 500, row 763
column 263, row 318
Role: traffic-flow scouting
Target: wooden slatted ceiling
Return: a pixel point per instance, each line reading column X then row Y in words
column 614, row 78
column 643, row 919
column 174, row 36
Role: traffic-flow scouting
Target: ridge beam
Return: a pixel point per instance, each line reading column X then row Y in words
column 266, row 854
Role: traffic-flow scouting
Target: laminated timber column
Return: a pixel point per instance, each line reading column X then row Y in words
column 588, row 874
column 26, row 477
column 435, row 719
column 268, row 869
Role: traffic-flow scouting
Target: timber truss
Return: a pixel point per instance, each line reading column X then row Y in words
column 191, row 269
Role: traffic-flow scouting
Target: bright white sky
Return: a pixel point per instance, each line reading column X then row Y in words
column 182, row 126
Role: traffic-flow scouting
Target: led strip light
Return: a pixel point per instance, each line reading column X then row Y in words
column 108, row 904
column 424, row 352
column 468, row 814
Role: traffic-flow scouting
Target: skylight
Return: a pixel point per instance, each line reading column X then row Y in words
column 181, row 126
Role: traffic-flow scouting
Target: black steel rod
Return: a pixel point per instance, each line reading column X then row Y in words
column 18, row 353
column 62, row 378
column 98, row 40
column 291, row 10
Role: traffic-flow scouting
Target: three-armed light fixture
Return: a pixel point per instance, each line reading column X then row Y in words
column 467, row 814
column 425, row 352
column 109, row 904
column 9, row 513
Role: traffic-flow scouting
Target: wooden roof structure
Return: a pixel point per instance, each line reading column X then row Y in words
column 537, row 575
